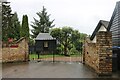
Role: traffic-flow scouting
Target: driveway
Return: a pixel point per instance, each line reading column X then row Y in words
column 36, row 69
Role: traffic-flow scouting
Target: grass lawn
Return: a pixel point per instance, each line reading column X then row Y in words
column 35, row 56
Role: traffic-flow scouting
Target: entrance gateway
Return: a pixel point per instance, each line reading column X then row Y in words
column 45, row 50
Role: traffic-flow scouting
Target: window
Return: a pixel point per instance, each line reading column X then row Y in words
column 46, row 44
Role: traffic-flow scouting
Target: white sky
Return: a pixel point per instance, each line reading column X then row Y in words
column 82, row 15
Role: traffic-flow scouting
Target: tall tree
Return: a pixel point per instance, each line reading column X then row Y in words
column 24, row 31
column 6, row 21
column 63, row 36
column 75, row 39
column 15, row 27
column 69, row 38
column 66, row 33
column 43, row 24
column 56, row 32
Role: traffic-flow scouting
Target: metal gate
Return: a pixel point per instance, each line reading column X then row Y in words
column 78, row 57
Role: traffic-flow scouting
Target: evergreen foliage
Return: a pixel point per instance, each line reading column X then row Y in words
column 24, row 31
column 6, row 21
column 43, row 24
column 15, row 27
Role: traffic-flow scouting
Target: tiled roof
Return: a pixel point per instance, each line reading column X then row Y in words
column 115, row 13
column 114, row 25
column 44, row 36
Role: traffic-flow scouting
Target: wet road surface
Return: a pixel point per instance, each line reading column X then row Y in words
column 48, row 70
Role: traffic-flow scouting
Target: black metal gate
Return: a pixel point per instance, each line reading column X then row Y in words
column 53, row 57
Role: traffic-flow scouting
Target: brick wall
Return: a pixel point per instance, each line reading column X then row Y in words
column 104, row 45
column 98, row 55
column 91, row 56
column 0, row 54
column 20, row 53
column 0, row 51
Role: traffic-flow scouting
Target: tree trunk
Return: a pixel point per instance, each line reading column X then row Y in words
column 65, row 50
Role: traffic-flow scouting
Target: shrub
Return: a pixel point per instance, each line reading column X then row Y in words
column 73, row 51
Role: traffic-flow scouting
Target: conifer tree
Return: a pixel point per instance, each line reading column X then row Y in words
column 15, row 27
column 24, row 31
column 43, row 24
column 6, row 21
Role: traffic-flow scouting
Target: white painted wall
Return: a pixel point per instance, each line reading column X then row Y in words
column 102, row 28
column 94, row 40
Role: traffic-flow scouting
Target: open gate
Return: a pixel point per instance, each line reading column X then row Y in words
column 45, row 50
column 78, row 57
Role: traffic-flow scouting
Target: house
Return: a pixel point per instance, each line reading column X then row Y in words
column 102, row 26
column 45, row 43
column 97, row 49
column 103, row 47
column 114, row 27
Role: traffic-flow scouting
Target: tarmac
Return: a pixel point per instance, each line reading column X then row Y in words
column 34, row 69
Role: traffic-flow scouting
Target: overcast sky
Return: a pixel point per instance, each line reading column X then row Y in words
column 82, row 15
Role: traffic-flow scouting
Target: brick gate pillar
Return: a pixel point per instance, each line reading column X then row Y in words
column 104, row 45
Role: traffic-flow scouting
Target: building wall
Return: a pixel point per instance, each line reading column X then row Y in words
column 115, row 27
column 91, row 57
column 20, row 53
column 39, row 46
column 104, row 45
column 102, row 28
column 98, row 55
column 94, row 40
column 0, row 54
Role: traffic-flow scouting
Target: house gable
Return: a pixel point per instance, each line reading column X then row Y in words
column 102, row 26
